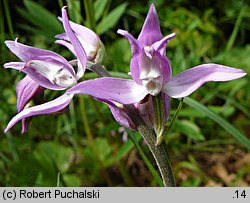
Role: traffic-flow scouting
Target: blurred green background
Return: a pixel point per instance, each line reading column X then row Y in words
column 209, row 145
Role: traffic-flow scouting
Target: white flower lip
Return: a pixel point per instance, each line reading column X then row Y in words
column 55, row 73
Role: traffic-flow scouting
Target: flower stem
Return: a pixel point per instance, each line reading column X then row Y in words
column 159, row 152
column 98, row 69
column 160, row 156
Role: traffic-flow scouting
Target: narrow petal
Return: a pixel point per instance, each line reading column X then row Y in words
column 186, row 82
column 151, row 31
column 107, row 88
column 25, row 124
column 79, row 51
column 121, row 117
column 15, row 65
column 28, row 53
column 161, row 45
column 66, row 44
column 134, row 43
column 27, row 89
column 46, row 108
column 62, row 36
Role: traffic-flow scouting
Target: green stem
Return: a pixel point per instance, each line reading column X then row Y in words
column 236, row 29
column 8, row 17
column 86, row 126
column 58, row 179
column 98, row 69
column 175, row 116
column 170, row 125
column 159, row 152
column 160, row 156
column 60, row 3
column 90, row 139
column 2, row 34
column 72, row 118
column 146, row 160
column 97, row 111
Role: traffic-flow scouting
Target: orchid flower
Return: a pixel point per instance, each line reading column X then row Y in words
column 44, row 69
column 151, row 72
column 89, row 40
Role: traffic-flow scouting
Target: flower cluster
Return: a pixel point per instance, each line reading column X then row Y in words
column 150, row 70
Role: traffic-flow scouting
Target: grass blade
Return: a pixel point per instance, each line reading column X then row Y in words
column 221, row 121
column 145, row 159
column 99, row 7
column 236, row 29
column 8, row 18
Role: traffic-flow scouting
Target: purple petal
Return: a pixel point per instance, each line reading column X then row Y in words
column 107, row 88
column 161, row 45
column 27, row 89
column 166, row 104
column 79, row 51
column 151, row 31
column 66, row 44
column 146, row 110
column 63, row 36
column 121, row 117
column 33, row 74
column 186, row 82
column 28, row 53
column 25, row 124
column 119, row 114
column 134, row 43
column 46, row 108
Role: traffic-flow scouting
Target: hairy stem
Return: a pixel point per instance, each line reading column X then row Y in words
column 160, row 156
column 159, row 152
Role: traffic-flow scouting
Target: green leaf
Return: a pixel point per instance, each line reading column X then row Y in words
column 221, row 121
column 74, row 10
column 99, row 7
column 190, row 129
column 71, row 180
column 104, row 150
column 192, row 181
column 54, row 154
column 127, row 146
column 41, row 17
column 111, row 19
